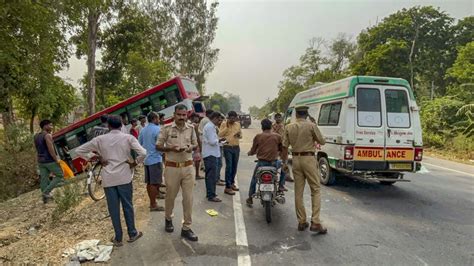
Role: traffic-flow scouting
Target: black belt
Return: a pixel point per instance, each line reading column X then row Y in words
column 274, row 161
column 305, row 153
column 231, row 146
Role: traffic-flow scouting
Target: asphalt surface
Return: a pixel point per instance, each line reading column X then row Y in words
column 428, row 221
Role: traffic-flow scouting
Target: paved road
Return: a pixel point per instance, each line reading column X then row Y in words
column 429, row 221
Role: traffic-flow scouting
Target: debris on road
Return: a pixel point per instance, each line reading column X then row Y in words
column 423, row 170
column 212, row 212
column 89, row 250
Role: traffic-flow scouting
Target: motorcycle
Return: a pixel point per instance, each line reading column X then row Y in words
column 267, row 189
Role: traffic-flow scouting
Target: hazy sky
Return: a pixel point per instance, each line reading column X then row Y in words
column 258, row 40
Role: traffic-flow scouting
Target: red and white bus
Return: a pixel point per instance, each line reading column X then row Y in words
column 161, row 98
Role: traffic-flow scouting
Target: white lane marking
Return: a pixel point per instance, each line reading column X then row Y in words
column 449, row 169
column 243, row 257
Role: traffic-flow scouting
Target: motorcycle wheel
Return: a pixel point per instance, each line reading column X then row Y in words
column 268, row 211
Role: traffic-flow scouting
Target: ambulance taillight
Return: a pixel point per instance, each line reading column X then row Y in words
column 349, row 153
column 418, row 154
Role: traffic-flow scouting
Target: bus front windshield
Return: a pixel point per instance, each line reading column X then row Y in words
column 189, row 86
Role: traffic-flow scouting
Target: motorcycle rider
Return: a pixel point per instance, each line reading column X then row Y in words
column 267, row 146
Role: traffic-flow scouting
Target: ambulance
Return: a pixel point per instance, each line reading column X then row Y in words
column 371, row 126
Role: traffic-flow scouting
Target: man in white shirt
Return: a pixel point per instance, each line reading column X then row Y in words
column 211, row 152
column 204, row 121
column 114, row 151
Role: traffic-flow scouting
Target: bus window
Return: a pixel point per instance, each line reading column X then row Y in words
column 146, row 108
column 76, row 138
column 155, row 100
column 89, row 126
column 172, row 95
column 119, row 111
column 135, row 109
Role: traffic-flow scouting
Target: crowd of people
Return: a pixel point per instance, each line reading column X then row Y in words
column 172, row 155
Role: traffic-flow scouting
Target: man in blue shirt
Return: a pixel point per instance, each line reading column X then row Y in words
column 211, row 152
column 153, row 161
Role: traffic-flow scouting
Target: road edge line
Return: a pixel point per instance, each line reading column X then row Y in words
column 449, row 169
column 243, row 256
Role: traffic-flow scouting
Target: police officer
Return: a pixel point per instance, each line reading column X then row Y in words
column 177, row 141
column 301, row 136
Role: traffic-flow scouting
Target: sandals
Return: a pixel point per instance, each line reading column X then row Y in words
column 157, row 209
column 116, row 243
column 137, row 236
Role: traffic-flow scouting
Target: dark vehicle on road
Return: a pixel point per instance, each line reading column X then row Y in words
column 245, row 121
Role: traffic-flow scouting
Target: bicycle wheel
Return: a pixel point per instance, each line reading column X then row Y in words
column 94, row 183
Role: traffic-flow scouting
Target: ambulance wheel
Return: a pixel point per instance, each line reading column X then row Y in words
column 328, row 175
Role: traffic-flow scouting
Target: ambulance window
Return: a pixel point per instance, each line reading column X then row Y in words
column 368, row 107
column 397, row 108
column 329, row 114
column 324, row 114
column 334, row 114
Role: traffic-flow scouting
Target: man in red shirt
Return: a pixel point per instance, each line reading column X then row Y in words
column 134, row 130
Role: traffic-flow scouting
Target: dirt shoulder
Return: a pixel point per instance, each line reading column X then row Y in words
column 449, row 155
column 29, row 235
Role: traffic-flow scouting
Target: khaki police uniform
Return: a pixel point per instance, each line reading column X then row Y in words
column 179, row 169
column 301, row 136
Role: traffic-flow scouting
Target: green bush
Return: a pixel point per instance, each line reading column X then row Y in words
column 433, row 140
column 66, row 198
column 438, row 118
column 18, row 168
column 462, row 145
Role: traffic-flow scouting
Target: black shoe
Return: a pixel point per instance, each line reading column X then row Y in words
column 249, row 202
column 169, row 226
column 189, row 235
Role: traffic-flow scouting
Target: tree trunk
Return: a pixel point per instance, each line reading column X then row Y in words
column 32, row 121
column 92, row 28
column 411, row 58
column 7, row 116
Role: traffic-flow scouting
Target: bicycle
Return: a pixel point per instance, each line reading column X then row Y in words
column 93, row 169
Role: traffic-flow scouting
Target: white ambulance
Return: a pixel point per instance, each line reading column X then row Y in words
column 371, row 126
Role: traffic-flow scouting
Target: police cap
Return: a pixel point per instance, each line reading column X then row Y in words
column 300, row 108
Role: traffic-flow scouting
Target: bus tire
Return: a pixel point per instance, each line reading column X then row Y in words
column 328, row 175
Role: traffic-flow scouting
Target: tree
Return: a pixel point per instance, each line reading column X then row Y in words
column 341, row 50
column 88, row 15
column 224, row 102
column 254, row 111
column 461, row 74
column 234, row 102
column 464, row 31
column 194, row 36
column 417, row 42
column 33, row 49
column 130, row 62
column 183, row 32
